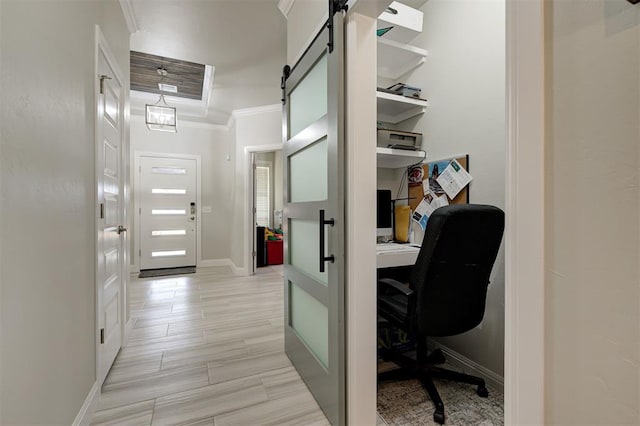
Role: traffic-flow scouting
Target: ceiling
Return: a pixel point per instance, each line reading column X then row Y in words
column 148, row 71
column 243, row 40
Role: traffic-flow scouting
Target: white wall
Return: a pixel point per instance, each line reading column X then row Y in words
column 253, row 127
column 303, row 22
column 47, row 270
column 212, row 143
column 463, row 79
column 592, row 214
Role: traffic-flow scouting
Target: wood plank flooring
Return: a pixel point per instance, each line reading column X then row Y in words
column 206, row 349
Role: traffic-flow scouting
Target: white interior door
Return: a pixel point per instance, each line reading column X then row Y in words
column 167, row 212
column 314, row 220
column 110, row 184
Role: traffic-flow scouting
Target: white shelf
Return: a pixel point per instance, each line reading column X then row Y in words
column 396, row 59
column 396, row 108
column 396, row 158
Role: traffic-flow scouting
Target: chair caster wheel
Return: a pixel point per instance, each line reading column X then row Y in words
column 438, row 357
column 482, row 392
column 438, row 417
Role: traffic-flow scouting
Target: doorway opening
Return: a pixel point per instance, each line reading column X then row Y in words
column 266, row 211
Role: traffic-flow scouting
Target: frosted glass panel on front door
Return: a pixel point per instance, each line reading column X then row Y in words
column 308, row 173
column 310, row 319
column 304, row 246
column 308, row 101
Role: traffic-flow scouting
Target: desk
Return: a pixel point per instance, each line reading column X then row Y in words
column 389, row 255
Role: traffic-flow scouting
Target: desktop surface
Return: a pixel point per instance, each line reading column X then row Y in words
column 389, row 255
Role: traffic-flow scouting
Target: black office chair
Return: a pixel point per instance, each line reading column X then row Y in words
column 446, row 293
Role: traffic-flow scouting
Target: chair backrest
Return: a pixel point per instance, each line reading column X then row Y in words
column 452, row 271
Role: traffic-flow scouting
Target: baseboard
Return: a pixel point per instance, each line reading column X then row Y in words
column 209, row 263
column 88, row 407
column 240, row 271
column 468, row 366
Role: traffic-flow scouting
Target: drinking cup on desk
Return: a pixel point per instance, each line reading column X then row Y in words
column 402, row 216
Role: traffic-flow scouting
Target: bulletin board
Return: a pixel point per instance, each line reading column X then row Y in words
column 429, row 171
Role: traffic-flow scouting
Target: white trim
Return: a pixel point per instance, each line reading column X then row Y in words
column 138, row 118
column 129, row 16
column 212, row 263
column 244, row 112
column 524, row 236
column 285, row 6
column 136, row 196
column 248, row 202
column 468, row 366
column 83, row 418
column 360, row 190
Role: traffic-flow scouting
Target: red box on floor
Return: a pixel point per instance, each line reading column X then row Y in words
column 274, row 252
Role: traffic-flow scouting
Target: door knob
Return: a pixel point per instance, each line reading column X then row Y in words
column 121, row 229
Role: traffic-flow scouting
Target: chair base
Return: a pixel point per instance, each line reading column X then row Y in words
column 426, row 371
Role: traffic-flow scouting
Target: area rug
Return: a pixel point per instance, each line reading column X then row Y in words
column 148, row 273
column 406, row 403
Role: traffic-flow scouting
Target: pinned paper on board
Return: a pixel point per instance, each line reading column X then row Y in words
column 453, row 179
column 424, row 178
column 427, row 206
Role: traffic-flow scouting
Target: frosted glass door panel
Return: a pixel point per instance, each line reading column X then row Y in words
column 308, row 101
column 308, row 173
column 304, row 244
column 310, row 319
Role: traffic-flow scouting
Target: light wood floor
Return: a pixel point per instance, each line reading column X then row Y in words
column 207, row 349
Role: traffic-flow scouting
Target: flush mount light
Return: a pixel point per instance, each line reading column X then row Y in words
column 164, row 87
column 160, row 116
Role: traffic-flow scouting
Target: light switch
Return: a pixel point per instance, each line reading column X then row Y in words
column 206, row 209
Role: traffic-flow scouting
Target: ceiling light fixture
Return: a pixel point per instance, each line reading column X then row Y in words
column 160, row 116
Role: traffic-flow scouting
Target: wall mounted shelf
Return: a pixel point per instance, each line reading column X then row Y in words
column 389, row 158
column 396, row 59
column 396, row 108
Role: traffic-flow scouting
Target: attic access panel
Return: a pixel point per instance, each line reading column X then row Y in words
column 188, row 77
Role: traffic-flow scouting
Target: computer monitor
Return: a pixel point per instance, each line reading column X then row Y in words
column 384, row 215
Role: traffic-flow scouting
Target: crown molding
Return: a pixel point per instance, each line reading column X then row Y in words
column 129, row 16
column 256, row 110
column 285, row 6
column 138, row 117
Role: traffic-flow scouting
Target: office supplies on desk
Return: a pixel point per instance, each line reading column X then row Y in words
column 392, row 255
column 402, row 216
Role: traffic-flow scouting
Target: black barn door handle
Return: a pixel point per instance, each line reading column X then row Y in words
column 324, row 258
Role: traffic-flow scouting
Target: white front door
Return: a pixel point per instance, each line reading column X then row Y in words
column 167, row 212
column 110, row 184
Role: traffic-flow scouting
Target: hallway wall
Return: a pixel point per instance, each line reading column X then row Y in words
column 253, row 127
column 464, row 80
column 592, row 214
column 47, row 273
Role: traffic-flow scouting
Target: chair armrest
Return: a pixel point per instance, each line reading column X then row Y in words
column 389, row 283
column 390, row 286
